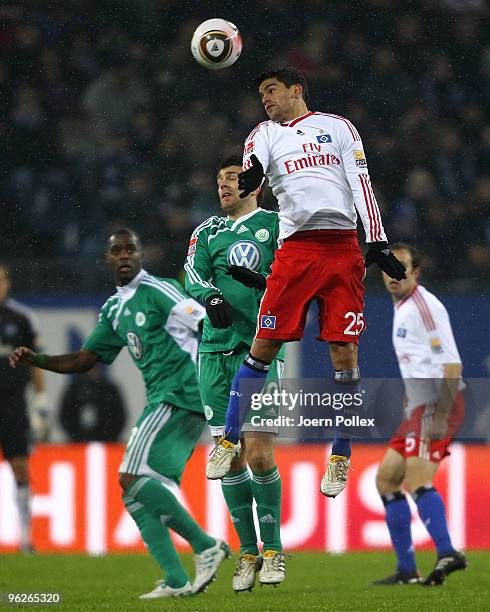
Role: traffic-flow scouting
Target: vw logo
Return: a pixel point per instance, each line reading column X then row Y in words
column 134, row 345
column 246, row 254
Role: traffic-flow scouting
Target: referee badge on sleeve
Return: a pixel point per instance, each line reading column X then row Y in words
column 268, row 322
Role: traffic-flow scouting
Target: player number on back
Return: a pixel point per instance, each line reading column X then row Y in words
column 356, row 324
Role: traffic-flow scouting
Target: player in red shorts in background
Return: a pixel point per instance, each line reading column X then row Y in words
column 431, row 369
column 317, row 170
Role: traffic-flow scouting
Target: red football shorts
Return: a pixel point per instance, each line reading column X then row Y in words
column 322, row 265
column 410, row 440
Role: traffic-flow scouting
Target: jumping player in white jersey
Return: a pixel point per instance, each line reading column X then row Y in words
column 431, row 368
column 317, row 169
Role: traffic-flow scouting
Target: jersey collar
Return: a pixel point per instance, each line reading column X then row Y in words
column 132, row 285
column 293, row 122
column 407, row 297
column 235, row 223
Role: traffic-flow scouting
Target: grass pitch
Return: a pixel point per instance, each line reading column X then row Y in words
column 314, row 581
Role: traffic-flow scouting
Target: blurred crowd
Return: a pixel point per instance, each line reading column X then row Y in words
column 106, row 120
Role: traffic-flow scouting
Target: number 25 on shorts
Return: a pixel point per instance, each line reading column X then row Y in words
column 355, row 323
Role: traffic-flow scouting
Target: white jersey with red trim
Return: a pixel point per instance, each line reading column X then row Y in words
column 423, row 341
column 317, row 170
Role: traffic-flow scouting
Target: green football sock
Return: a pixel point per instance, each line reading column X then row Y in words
column 162, row 504
column 159, row 543
column 237, row 491
column 266, row 487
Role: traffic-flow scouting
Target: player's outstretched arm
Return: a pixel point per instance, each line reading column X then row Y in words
column 71, row 363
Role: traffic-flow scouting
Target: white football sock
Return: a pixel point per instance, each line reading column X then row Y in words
column 24, row 507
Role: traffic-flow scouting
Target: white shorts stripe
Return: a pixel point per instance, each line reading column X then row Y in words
column 135, row 443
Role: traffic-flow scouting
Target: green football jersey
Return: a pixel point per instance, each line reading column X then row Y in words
column 217, row 244
column 158, row 323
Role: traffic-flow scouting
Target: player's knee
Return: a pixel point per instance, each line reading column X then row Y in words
column 126, row 480
column 238, row 463
column 343, row 355
column 416, row 481
column 265, row 349
column 260, row 463
column 419, row 473
column 260, row 458
column 386, row 482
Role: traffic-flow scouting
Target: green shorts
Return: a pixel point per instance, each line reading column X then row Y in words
column 162, row 442
column 216, row 372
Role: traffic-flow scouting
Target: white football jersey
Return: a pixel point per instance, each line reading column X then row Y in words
column 423, row 342
column 317, row 170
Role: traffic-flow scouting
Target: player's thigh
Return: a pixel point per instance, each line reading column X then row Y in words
column 174, row 443
column 14, row 426
column 162, row 441
column 391, row 472
column 141, row 437
column 216, row 373
column 290, row 289
column 341, row 297
column 419, row 472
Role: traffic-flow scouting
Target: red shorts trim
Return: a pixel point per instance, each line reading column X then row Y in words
column 325, row 266
column 409, row 440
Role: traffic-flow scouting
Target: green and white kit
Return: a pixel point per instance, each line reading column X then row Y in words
column 216, row 372
column 158, row 323
column 215, row 245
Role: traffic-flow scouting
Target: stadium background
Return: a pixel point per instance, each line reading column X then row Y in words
column 106, row 121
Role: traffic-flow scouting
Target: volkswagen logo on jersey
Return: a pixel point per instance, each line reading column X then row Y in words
column 245, row 254
column 134, row 345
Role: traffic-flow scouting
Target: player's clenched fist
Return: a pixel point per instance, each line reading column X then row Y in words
column 21, row 356
column 218, row 311
column 379, row 253
column 251, row 179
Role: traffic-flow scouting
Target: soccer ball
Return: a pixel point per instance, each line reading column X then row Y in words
column 216, row 44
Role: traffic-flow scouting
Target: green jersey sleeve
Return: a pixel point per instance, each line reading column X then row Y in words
column 176, row 306
column 103, row 341
column 198, row 267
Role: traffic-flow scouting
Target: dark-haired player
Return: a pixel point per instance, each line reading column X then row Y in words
column 19, row 325
column 431, row 368
column 226, row 266
column 317, row 169
column 157, row 322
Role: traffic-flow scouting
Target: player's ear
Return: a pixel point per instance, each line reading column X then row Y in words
column 297, row 90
